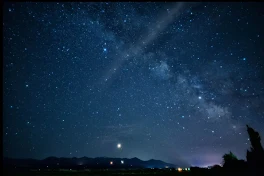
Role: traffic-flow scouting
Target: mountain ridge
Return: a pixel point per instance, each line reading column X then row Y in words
column 85, row 162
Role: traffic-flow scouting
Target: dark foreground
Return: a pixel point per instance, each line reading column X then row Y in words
column 140, row 172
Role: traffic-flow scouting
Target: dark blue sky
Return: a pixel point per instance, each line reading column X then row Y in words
column 170, row 81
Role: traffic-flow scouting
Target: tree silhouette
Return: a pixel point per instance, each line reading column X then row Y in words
column 255, row 156
column 229, row 160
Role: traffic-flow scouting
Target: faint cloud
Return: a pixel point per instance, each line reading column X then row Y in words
column 151, row 34
column 216, row 112
column 119, row 131
column 161, row 70
column 209, row 109
column 181, row 79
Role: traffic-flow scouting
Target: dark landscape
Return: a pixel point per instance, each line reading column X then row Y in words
column 84, row 162
column 134, row 166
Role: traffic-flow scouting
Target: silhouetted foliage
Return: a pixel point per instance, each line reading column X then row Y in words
column 255, row 156
column 229, row 159
column 230, row 162
column 216, row 168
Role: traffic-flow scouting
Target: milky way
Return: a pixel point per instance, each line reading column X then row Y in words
column 170, row 81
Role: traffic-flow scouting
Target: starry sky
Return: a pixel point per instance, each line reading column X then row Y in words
column 171, row 81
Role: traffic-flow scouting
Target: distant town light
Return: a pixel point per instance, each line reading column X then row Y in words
column 179, row 169
column 111, row 163
column 122, row 162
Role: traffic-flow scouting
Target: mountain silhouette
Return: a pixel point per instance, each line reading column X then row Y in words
column 84, row 163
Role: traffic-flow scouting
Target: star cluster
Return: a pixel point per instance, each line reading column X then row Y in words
column 170, row 81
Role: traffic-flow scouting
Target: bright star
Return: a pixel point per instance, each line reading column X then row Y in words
column 119, row 145
column 200, row 97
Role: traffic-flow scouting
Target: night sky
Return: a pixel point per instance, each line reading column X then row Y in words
column 171, row 81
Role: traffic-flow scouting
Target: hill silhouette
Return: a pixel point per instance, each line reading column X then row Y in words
column 231, row 164
column 85, row 162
